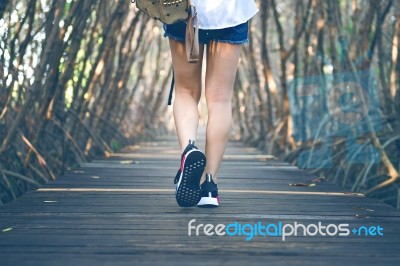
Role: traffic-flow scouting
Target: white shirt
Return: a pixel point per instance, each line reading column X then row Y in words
column 219, row 14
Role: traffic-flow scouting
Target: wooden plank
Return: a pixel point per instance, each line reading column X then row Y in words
column 122, row 211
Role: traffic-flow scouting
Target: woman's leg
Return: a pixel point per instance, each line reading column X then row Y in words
column 222, row 63
column 187, row 93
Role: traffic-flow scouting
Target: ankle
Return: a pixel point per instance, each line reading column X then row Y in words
column 190, row 142
column 204, row 178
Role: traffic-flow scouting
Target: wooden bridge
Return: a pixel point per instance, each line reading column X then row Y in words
column 122, row 211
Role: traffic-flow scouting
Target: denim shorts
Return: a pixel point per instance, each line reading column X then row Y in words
column 234, row 35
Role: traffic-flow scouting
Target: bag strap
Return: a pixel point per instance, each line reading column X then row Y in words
column 192, row 35
column 171, row 89
column 191, row 43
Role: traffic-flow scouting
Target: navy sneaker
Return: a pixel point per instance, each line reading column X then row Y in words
column 209, row 193
column 187, row 180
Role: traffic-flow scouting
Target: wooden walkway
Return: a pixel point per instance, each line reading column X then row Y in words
column 122, row 211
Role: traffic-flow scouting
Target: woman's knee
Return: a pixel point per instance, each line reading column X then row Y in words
column 218, row 97
column 193, row 91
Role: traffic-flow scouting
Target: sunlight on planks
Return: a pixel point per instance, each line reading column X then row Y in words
column 152, row 190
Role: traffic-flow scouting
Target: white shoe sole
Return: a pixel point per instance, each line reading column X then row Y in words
column 208, row 202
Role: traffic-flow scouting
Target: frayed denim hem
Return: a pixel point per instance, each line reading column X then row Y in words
column 232, row 42
column 215, row 40
column 174, row 37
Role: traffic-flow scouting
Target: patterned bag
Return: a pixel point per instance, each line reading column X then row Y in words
column 172, row 11
column 166, row 11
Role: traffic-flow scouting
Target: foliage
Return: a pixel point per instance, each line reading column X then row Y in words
column 72, row 79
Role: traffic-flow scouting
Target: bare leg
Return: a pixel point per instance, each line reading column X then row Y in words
column 187, row 93
column 222, row 63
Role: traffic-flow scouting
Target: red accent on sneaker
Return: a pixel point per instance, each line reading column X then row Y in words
column 218, row 199
column 183, row 162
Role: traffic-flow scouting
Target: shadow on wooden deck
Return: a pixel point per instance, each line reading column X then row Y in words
column 122, row 211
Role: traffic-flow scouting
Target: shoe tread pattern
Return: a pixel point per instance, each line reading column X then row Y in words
column 188, row 192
